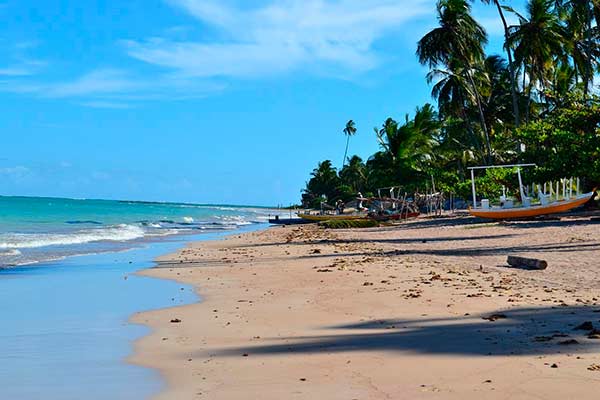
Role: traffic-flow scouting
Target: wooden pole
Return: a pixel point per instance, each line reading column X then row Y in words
column 520, row 185
column 473, row 188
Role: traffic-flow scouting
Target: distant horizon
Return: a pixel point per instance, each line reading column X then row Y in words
column 150, row 202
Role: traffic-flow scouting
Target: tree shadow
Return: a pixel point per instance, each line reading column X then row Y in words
column 470, row 251
column 518, row 331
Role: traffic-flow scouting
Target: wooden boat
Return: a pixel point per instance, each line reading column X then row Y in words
column 556, row 207
column 405, row 215
column 325, row 217
column 568, row 201
column 395, row 216
column 287, row 221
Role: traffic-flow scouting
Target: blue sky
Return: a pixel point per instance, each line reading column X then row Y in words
column 230, row 101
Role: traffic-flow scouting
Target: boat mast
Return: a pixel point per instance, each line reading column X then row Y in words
column 520, row 185
column 518, row 166
column 473, row 187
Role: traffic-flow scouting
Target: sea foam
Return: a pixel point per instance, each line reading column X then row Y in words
column 119, row 233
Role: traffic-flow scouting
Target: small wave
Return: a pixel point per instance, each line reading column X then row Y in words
column 83, row 222
column 10, row 252
column 236, row 220
column 28, row 241
column 188, row 220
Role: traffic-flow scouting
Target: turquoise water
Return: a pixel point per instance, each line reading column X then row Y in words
column 35, row 229
column 65, row 333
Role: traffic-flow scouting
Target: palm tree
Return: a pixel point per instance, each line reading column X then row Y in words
column 538, row 44
column 457, row 44
column 511, row 65
column 349, row 130
column 354, row 174
column 410, row 147
column 388, row 137
column 583, row 38
column 453, row 95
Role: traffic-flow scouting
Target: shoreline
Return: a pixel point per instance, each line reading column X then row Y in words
column 380, row 313
column 66, row 325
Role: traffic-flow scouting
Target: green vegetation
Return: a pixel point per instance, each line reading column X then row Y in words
column 349, row 223
column 537, row 105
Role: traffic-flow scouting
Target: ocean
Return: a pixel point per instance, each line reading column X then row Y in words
column 68, row 288
column 37, row 229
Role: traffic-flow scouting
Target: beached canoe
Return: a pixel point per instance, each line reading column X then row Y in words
column 556, row 207
column 319, row 218
column 287, row 221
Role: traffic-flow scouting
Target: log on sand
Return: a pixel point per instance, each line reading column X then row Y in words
column 526, row 263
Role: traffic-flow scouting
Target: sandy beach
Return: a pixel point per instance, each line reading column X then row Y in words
column 425, row 309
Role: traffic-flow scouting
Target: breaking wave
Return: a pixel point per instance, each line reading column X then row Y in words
column 34, row 240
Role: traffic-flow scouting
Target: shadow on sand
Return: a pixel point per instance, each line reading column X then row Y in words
column 517, row 331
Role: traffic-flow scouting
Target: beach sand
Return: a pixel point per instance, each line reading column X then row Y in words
column 426, row 309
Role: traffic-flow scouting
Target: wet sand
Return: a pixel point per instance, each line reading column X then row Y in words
column 425, row 309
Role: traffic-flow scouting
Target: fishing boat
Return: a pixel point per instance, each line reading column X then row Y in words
column 287, row 221
column 550, row 202
column 328, row 217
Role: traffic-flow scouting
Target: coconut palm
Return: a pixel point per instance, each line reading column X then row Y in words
column 457, row 44
column 349, row 130
column 388, row 137
column 583, row 39
column 354, row 174
column 511, row 65
column 538, row 44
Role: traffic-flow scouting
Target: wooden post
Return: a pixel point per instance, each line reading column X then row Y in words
column 571, row 187
column 520, row 185
column 473, row 188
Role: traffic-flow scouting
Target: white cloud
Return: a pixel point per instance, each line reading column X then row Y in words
column 96, row 82
column 15, row 71
column 335, row 38
column 280, row 37
column 106, row 104
column 16, row 174
column 116, row 89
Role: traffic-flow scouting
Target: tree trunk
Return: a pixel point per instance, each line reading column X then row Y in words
column 488, row 145
column 470, row 129
column 528, row 109
column 526, row 263
column 511, row 67
column 346, row 152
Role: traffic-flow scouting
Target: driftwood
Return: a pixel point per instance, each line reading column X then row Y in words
column 526, row 263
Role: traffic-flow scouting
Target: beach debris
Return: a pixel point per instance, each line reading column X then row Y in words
column 303, row 379
column 594, row 334
column 586, row 326
column 315, row 251
column 368, row 284
column 175, row 321
column 245, row 355
column 594, row 367
column 494, row 317
column 554, row 365
column 526, row 263
column 568, row 342
column 324, row 270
